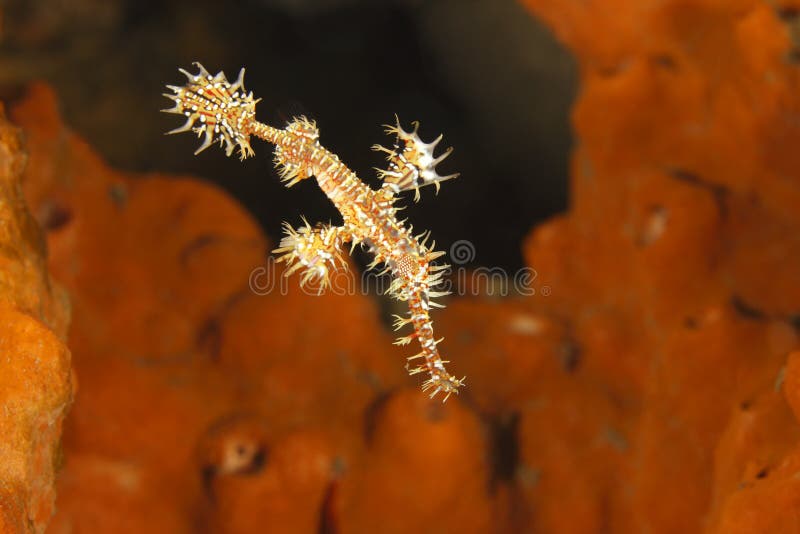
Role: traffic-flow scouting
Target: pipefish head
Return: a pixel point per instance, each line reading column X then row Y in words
column 216, row 108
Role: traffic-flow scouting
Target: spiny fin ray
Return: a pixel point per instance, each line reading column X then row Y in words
column 412, row 163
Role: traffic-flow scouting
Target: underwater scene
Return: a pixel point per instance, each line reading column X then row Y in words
column 399, row 266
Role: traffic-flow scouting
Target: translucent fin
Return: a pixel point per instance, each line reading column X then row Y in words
column 411, row 162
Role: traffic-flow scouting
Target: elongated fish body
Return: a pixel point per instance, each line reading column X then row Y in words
column 221, row 111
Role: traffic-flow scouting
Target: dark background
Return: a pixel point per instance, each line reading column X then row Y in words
column 483, row 72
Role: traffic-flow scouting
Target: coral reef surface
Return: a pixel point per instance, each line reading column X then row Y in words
column 35, row 375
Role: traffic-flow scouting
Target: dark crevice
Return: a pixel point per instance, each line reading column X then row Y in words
column 503, row 448
column 209, row 338
column 254, row 464
column 118, row 194
column 606, row 515
column 719, row 192
column 609, row 71
column 207, row 475
column 664, row 60
column 790, row 15
column 196, row 244
column 570, row 355
column 616, row 439
column 372, row 413
column 746, row 310
column 226, row 452
column 209, row 335
column 54, row 215
column 328, row 522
